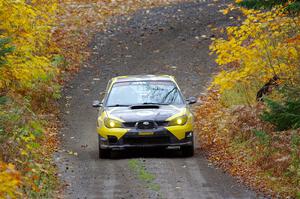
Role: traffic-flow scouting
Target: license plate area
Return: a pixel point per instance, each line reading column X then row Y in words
column 146, row 139
column 145, row 133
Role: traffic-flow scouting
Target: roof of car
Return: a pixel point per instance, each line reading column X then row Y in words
column 143, row 78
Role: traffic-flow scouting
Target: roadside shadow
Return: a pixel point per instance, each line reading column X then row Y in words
column 146, row 153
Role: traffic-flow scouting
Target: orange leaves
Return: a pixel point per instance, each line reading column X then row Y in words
column 295, row 39
column 266, row 161
column 209, row 118
column 229, row 124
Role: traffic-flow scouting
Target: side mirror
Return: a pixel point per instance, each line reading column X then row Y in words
column 97, row 104
column 191, row 100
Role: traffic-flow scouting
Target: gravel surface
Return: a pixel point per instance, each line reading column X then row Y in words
column 167, row 40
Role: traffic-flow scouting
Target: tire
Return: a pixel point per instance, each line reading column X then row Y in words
column 103, row 153
column 187, row 151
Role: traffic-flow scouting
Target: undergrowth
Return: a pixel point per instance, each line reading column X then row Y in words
column 41, row 44
column 249, row 121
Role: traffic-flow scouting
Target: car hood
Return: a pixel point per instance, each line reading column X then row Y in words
column 132, row 115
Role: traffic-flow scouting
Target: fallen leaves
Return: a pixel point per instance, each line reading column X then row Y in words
column 79, row 20
column 46, row 51
column 72, row 153
column 230, row 128
column 226, row 136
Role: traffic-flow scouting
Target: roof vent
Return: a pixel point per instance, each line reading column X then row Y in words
column 144, row 107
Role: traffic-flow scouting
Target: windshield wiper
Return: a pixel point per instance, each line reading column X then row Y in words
column 118, row 105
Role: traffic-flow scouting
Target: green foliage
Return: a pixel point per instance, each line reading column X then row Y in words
column 3, row 100
column 139, row 168
column 4, row 49
column 258, row 4
column 284, row 115
column 59, row 61
column 294, row 7
column 291, row 92
column 263, row 137
column 268, row 4
column 21, row 143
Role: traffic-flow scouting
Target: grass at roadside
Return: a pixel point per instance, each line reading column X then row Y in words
column 145, row 176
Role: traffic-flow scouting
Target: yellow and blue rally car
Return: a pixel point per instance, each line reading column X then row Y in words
column 144, row 111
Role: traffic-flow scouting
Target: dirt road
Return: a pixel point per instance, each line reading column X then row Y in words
column 168, row 40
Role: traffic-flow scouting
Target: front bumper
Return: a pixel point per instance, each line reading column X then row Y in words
column 158, row 138
column 125, row 146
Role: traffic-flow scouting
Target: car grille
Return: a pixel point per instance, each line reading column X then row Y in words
column 162, row 123
column 147, row 140
column 129, row 124
column 139, row 125
column 146, row 125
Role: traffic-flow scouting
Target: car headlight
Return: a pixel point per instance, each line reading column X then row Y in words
column 178, row 121
column 111, row 123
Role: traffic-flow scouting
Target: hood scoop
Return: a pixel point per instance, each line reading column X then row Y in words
column 144, row 106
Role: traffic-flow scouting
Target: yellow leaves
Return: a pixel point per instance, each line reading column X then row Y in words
column 24, row 152
column 293, row 52
column 225, row 11
column 9, row 181
column 257, row 49
column 230, row 7
column 29, row 27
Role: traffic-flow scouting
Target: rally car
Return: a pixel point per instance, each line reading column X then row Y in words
column 144, row 111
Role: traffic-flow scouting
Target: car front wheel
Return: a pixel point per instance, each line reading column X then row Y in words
column 103, row 153
column 187, row 151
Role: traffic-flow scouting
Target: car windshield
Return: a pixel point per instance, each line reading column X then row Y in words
column 144, row 92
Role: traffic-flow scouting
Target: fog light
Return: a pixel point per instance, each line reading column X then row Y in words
column 179, row 121
column 112, row 124
column 189, row 134
column 112, row 139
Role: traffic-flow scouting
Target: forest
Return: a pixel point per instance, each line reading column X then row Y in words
column 249, row 120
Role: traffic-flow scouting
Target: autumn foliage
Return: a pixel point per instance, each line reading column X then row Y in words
column 264, row 45
column 239, row 133
column 27, row 86
column 9, row 180
column 41, row 42
column 29, row 28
